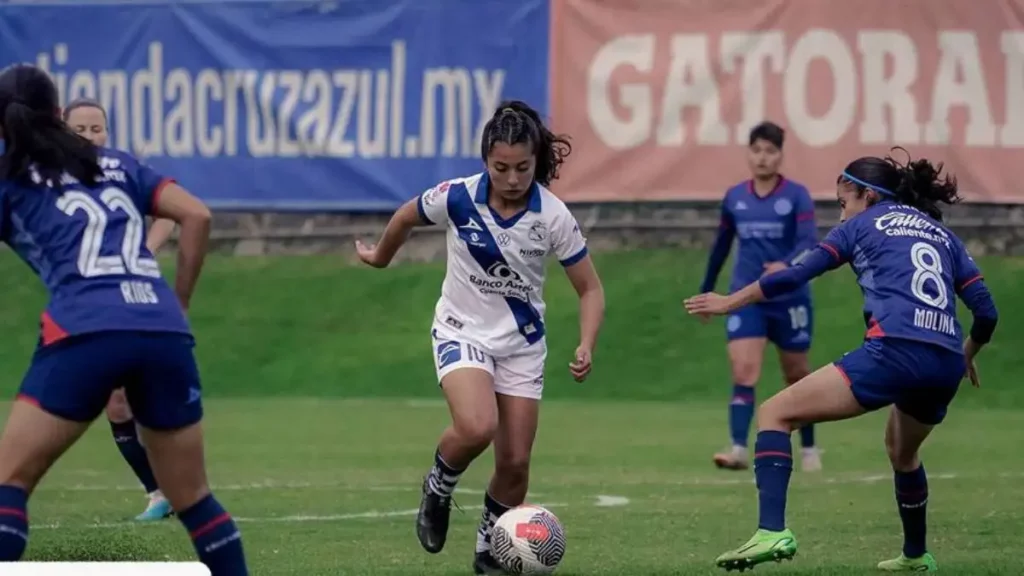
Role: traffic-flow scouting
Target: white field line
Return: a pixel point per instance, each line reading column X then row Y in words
column 600, row 500
column 372, row 514
column 262, row 485
column 414, row 486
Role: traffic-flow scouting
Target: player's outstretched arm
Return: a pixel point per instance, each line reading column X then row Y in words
column 585, row 280
column 159, row 233
column 816, row 263
column 176, row 204
column 395, row 234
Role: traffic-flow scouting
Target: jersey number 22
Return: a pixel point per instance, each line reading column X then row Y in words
column 90, row 263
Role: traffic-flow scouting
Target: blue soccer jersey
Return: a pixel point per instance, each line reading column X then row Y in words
column 779, row 227
column 87, row 245
column 910, row 268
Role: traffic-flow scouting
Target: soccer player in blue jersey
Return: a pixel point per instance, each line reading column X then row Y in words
column 910, row 268
column 773, row 217
column 488, row 334
column 88, row 119
column 74, row 214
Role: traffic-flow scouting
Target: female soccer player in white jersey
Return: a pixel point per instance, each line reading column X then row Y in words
column 488, row 332
column 88, row 119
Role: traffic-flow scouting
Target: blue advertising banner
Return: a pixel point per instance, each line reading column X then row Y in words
column 293, row 105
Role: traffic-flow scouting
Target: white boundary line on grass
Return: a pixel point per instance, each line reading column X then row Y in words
column 262, row 485
column 601, row 500
column 414, row 487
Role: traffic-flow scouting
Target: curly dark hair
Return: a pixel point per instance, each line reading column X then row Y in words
column 515, row 122
column 917, row 183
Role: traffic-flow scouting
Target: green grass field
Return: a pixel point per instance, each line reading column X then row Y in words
column 322, row 413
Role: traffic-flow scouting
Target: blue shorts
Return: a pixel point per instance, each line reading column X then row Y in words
column 921, row 379
column 789, row 325
column 73, row 378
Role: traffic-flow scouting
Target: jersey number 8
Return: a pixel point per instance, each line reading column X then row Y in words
column 90, row 263
column 928, row 268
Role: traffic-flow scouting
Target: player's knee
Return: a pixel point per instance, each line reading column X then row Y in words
column 901, row 457
column 774, row 415
column 746, row 372
column 476, row 430
column 513, row 468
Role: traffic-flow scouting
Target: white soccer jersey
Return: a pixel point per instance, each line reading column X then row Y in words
column 493, row 289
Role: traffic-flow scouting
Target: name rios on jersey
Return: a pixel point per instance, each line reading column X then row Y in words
column 911, row 225
column 501, row 280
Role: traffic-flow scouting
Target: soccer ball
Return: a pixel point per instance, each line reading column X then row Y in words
column 528, row 540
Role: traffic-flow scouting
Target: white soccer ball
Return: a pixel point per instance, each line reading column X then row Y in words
column 528, row 540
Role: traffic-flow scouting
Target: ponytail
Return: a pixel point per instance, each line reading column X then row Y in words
column 923, row 186
column 41, row 141
column 916, row 183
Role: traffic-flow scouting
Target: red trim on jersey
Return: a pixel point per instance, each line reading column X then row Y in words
column 874, row 330
column 843, row 374
column 778, row 186
column 831, row 250
column 155, row 198
column 804, row 216
column 28, row 399
column 969, row 282
column 52, row 332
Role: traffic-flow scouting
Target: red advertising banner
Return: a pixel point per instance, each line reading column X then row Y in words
column 659, row 95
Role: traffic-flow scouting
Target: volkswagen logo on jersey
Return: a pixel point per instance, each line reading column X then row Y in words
column 504, row 239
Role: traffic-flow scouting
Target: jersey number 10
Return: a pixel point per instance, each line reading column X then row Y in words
column 90, row 263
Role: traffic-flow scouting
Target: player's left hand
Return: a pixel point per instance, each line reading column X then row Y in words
column 580, row 367
column 707, row 304
column 972, row 373
column 772, row 267
column 368, row 254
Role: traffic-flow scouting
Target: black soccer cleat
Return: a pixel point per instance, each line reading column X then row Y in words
column 432, row 520
column 484, row 563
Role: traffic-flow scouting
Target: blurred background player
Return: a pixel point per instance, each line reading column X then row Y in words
column 88, row 119
column 774, row 220
column 112, row 320
column 910, row 268
column 488, row 333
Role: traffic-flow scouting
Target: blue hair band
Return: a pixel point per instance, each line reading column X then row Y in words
column 876, row 188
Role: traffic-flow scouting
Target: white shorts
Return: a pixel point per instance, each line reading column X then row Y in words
column 519, row 374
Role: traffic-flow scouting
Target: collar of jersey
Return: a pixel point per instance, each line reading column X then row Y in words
column 483, row 189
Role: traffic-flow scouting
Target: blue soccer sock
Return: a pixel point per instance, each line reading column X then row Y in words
column 741, row 412
column 126, row 436
column 912, row 500
column 773, row 465
column 13, row 523
column 807, row 436
column 215, row 537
